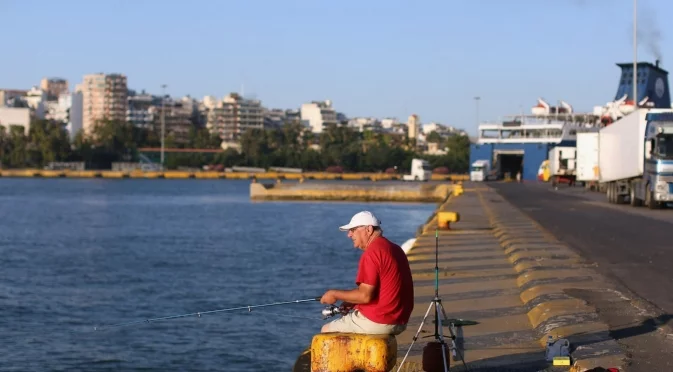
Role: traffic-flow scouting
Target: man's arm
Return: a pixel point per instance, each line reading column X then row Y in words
column 363, row 294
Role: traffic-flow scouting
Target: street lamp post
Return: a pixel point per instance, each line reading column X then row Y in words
column 476, row 100
column 635, row 54
column 163, row 122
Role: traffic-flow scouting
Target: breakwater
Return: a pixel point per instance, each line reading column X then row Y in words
column 316, row 191
column 365, row 176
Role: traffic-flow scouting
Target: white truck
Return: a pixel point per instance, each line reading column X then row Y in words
column 587, row 160
column 420, row 171
column 562, row 165
column 480, row 170
column 635, row 158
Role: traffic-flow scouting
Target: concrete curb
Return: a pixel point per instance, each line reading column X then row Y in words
column 546, row 268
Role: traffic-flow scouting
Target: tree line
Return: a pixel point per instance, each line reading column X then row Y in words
column 338, row 148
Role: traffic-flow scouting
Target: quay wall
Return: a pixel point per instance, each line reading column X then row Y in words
column 365, row 176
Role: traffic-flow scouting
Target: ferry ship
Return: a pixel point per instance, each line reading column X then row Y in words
column 519, row 144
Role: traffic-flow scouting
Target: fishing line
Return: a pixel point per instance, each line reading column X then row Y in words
column 200, row 313
column 23, row 334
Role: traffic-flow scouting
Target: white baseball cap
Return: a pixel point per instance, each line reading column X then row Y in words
column 364, row 218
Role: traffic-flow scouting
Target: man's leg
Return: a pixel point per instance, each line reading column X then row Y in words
column 355, row 322
column 344, row 324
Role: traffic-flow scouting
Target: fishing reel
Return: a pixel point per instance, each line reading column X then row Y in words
column 332, row 310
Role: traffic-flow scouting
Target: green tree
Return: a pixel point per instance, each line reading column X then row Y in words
column 48, row 142
column 255, row 148
column 434, row 137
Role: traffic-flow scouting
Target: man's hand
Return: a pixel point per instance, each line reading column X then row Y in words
column 328, row 298
column 346, row 307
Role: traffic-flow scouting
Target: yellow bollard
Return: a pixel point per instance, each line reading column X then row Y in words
column 350, row 352
column 444, row 219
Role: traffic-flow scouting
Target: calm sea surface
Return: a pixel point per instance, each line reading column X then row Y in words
column 75, row 254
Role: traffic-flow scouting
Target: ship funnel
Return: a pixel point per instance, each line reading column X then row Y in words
column 652, row 84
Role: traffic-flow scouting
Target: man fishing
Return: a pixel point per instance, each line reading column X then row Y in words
column 384, row 297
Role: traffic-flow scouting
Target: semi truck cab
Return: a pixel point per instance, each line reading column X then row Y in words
column 420, row 171
column 480, row 170
column 657, row 185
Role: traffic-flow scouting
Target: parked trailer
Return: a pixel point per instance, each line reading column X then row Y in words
column 562, row 165
column 636, row 158
column 587, row 160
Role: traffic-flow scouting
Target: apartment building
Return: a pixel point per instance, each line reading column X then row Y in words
column 145, row 111
column 363, row 124
column 54, row 87
column 12, row 98
column 138, row 109
column 232, row 116
column 177, row 118
column 318, row 115
column 104, row 98
column 276, row 118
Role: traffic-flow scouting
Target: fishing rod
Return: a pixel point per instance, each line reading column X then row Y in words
column 326, row 313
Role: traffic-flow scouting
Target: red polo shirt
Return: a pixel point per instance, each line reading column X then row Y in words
column 385, row 266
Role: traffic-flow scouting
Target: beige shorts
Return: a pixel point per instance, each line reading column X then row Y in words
column 355, row 322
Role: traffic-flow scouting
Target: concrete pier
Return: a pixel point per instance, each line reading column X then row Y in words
column 497, row 267
column 368, row 192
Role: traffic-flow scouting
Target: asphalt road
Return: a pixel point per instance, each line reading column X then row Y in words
column 632, row 247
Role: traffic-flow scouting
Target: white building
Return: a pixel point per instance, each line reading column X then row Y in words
column 433, row 127
column 365, row 124
column 434, row 149
column 318, row 115
column 399, row 128
column 210, row 102
column 36, row 99
column 388, row 123
column 59, row 110
column 442, row 130
column 68, row 110
column 75, row 117
column 15, row 116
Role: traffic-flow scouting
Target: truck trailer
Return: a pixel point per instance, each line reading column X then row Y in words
column 636, row 158
column 587, row 160
column 562, row 165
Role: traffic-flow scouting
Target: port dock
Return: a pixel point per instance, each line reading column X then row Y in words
column 177, row 174
column 498, row 268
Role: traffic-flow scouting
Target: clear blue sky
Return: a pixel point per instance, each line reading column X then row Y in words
column 371, row 58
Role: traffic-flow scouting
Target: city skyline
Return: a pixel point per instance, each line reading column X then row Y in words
column 369, row 59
